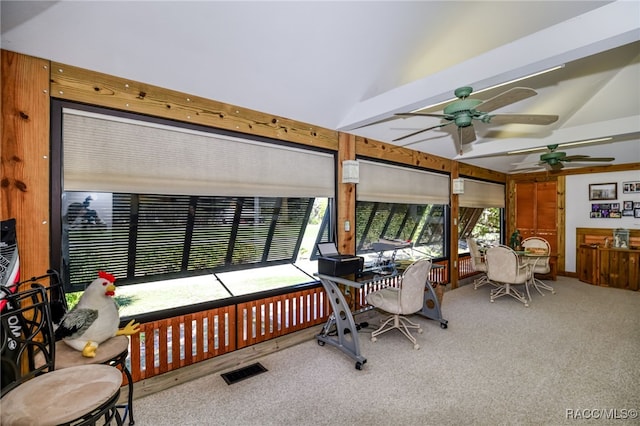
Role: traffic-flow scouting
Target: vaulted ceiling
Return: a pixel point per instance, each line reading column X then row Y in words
column 352, row 65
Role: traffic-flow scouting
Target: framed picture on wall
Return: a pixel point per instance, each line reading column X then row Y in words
column 603, row 191
column 621, row 238
column 627, row 208
column 631, row 187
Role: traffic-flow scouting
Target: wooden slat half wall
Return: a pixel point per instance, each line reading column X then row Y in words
column 261, row 320
column 168, row 344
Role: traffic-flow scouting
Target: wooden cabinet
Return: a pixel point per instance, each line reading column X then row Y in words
column 536, row 211
column 619, row 268
column 587, row 264
column 606, row 266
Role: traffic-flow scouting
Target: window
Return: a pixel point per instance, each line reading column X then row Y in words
column 401, row 204
column 485, row 225
column 141, row 237
column 480, row 213
column 151, row 201
column 423, row 226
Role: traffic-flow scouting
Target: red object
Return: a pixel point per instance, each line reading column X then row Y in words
column 107, row 276
column 10, row 274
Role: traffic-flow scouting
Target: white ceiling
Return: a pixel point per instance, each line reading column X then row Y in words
column 342, row 65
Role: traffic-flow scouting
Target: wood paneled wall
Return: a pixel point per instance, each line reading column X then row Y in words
column 346, row 202
column 77, row 84
column 28, row 83
column 25, row 156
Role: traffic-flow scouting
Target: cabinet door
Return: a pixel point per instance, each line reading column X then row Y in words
column 526, row 208
column 587, row 264
column 536, row 211
column 634, row 270
column 619, row 268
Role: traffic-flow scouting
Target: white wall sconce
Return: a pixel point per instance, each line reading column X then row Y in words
column 350, row 171
column 458, row 186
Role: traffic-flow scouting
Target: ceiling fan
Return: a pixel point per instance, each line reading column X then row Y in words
column 554, row 160
column 463, row 111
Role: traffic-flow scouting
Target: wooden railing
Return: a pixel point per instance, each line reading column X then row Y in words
column 465, row 267
column 171, row 343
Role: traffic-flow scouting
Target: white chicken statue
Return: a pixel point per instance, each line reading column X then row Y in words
column 94, row 319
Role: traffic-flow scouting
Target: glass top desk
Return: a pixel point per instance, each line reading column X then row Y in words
column 345, row 337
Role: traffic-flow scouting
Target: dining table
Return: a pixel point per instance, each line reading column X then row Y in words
column 534, row 257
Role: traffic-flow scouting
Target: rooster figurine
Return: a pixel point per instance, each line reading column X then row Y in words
column 94, row 319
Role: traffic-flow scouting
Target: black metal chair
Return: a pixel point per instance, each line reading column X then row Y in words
column 112, row 352
column 33, row 392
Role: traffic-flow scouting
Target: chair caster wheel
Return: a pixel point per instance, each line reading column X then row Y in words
column 443, row 325
column 373, row 339
column 358, row 365
column 416, row 346
column 320, row 342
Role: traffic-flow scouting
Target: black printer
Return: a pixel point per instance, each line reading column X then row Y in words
column 331, row 262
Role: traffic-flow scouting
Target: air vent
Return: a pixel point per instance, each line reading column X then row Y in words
column 243, row 373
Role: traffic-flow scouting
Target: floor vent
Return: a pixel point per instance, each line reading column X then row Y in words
column 243, row 373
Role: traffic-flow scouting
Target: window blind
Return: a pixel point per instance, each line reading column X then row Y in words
column 481, row 194
column 394, row 184
column 104, row 153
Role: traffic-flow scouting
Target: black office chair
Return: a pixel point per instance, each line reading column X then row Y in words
column 33, row 392
column 112, row 352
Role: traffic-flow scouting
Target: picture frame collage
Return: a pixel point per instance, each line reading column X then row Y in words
column 611, row 208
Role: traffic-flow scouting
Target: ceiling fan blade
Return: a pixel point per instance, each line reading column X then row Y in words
column 556, row 166
column 421, row 131
column 506, row 98
column 527, row 169
column 421, row 114
column 467, row 134
column 521, row 119
column 384, row 120
column 529, row 163
column 586, row 158
column 575, row 157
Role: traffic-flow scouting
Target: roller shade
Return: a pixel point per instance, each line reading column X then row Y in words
column 105, row 153
column 481, row 194
column 393, row 184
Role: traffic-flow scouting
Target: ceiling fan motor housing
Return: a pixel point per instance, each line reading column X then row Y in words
column 463, row 111
column 552, row 158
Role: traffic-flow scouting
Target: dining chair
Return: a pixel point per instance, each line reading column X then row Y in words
column 537, row 251
column 477, row 261
column 33, row 391
column 505, row 269
column 402, row 301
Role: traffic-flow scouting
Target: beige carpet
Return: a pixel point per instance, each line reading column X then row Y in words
column 572, row 354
